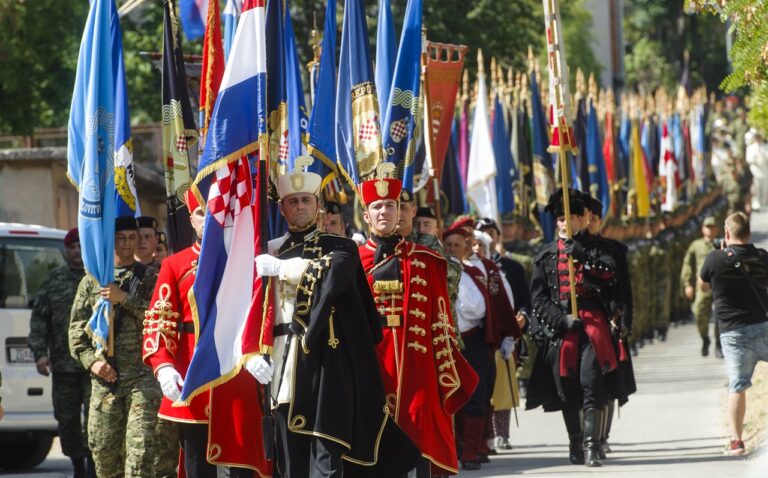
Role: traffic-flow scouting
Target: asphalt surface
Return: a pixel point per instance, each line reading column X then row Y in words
column 674, row 426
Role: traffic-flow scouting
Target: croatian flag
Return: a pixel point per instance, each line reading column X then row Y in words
column 226, row 282
column 194, row 14
column 668, row 170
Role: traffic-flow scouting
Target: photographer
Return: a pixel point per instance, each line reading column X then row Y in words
column 738, row 278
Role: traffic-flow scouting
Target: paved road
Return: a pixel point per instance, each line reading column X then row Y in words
column 674, row 426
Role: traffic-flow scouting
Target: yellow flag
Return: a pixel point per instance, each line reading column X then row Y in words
column 639, row 173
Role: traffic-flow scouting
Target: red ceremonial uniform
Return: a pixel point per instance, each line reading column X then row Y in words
column 426, row 378
column 169, row 330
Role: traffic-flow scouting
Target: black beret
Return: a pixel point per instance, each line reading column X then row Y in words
column 485, row 223
column 147, row 221
column 125, row 223
column 593, row 204
column 406, row 196
column 332, row 208
column 426, row 211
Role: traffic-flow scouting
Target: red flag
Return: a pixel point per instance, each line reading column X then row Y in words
column 444, row 65
column 213, row 67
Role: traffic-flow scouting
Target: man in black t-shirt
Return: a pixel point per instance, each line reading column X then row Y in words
column 738, row 278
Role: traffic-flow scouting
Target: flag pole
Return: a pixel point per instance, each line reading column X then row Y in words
column 560, row 104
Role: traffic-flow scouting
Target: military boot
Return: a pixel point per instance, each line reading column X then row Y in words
column 592, row 431
column 575, row 437
column 78, row 467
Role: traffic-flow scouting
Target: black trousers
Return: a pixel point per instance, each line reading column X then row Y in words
column 304, row 456
column 587, row 390
column 193, row 438
column 478, row 354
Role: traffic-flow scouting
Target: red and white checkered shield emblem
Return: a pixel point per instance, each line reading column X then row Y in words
column 231, row 191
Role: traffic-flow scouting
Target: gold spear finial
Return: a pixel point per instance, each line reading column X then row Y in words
column 494, row 74
column 592, row 87
column 480, row 61
column 611, row 101
column 530, row 58
column 580, row 88
column 465, row 86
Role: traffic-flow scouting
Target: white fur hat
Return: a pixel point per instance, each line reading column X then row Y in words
column 299, row 181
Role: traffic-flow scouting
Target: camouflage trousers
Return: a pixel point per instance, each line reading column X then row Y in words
column 122, row 427
column 71, row 392
column 167, row 448
column 702, row 310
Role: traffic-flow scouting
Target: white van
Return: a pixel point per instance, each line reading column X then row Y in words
column 27, row 255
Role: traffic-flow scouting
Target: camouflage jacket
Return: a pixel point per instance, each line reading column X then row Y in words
column 693, row 260
column 50, row 319
column 128, row 322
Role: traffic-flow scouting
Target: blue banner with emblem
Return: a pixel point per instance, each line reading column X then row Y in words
column 358, row 135
column 97, row 104
column 402, row 126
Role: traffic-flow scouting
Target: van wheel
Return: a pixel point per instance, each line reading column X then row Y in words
column 26, row 453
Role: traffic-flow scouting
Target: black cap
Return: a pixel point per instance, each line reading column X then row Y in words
column 406, row 196
column 125, row 223
column 332, row 208
column 426, row 211
column 555, row 203
column 162, row 238
column 594, row 205
column 147, row 221
column 486, row 223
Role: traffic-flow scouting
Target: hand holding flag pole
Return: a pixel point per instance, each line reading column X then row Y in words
column 562, row 137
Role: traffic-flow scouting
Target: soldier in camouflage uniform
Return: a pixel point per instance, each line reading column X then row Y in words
column 125, row 396
column 702, row 300
column 48, row 327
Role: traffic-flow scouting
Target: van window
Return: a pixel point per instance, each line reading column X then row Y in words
column 24, row 264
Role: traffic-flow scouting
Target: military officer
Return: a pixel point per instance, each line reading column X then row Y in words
column 334, row 219
column 702, row 300
column 325, row 426
column 125, row 397
column 71, row 387
column 426, row 378
column 575, row 353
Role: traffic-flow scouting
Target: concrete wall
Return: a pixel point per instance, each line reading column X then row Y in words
column 608, row 39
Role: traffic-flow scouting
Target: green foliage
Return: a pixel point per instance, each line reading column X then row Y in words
column 659, row 32
column 144, row 32
column 749, row 52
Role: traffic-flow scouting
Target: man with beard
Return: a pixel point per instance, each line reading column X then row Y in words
column 330, row 410
column 425, row 376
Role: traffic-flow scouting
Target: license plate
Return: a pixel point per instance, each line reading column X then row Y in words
column 20, row 355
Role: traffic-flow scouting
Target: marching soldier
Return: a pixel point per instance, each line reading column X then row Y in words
column 324, row 332
column 48, row 327
column 702, row 300
column 575, row 353
column 426, row 378
column 122, row 416
column 169, row 341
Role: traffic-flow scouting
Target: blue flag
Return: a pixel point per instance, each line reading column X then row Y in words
column 97, row 107
column 598, row 178
column 358, row 135
column 321, row 143
column 193, row 15
column 451, row 184
column 505, row 164
column 386, row 53
column 229, row 18
column 402, row 123
column 543, row 172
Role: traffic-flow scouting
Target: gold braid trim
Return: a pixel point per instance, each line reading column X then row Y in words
column 162, row 320
column 387, row 287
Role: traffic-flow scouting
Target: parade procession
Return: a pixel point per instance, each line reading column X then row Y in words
column 380, row 254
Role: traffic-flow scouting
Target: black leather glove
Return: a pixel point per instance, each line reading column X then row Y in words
column 575, row 250
column 573, row 323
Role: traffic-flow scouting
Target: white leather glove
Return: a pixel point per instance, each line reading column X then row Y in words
column 170, row 382
column 507, row 347
column 260, row 369
column 267, row 266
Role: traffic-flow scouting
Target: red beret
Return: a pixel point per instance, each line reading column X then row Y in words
column 191, row 200
column 380, row 189
column 456, row 231
column 72, row 237
column 464, row 222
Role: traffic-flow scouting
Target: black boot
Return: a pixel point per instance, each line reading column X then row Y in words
column 575, row 437
column 705, row 346
column 592, row 431
column 607, row 420
column 90, row 467
column 78, row 466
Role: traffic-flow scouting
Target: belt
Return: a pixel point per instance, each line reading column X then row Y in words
column 471, row 332
column 187, row 327
column 280, row 329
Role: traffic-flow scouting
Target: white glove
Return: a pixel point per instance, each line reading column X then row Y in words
column 260, row 369
column 170, row 382
column 507, row 347
column 267, row 266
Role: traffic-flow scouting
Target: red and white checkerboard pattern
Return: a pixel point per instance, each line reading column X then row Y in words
column 231, row 191
column 398, row 130
column 369, row 129
column 282, row 151
column 181, row 144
